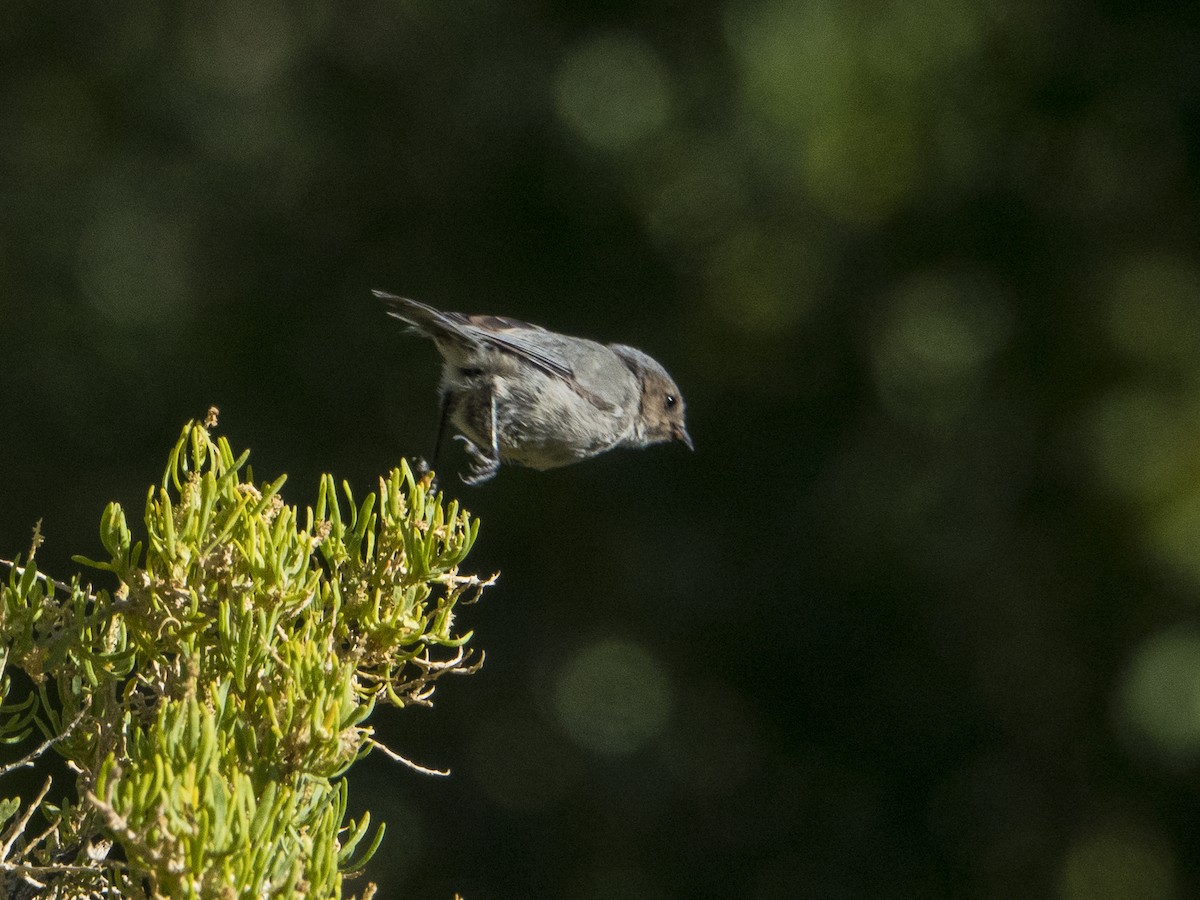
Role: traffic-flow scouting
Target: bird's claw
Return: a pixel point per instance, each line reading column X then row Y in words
column 483, row 466
column 480, row 474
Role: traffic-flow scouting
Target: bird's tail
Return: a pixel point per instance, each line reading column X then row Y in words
column 424, row 319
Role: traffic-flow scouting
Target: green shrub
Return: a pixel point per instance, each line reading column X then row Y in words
column 212, row 702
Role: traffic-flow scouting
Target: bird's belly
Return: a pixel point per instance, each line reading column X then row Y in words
column 542, row 428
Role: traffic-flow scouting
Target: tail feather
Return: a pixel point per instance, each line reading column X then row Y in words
column 425, row 319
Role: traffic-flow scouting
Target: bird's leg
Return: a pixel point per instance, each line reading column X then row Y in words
column 420, row 466
column 483, row 466
column 441, row 432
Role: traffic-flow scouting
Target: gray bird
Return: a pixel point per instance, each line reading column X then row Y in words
column 518, row 393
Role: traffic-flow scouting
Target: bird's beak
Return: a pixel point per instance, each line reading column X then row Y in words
column 681, row 434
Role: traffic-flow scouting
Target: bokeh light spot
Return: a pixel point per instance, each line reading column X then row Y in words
column 934, row 346
column 798, row 61
column 1158, row 700
column 613, row 92
column 1112, row 863
column 613, row 697
column 853, row 98
column 241, row 48
column 910, row 39
column 1140, row 441
column 1173, row 536
column 1153, row 309
column 132, row 265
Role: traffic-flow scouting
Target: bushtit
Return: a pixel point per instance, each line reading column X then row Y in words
column 521, row 394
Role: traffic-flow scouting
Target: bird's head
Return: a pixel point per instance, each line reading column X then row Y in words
column 661, row 413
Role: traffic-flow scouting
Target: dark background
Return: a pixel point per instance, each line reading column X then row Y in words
column 919, row 617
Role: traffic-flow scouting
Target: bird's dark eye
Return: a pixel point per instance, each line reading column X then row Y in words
column 670, row 400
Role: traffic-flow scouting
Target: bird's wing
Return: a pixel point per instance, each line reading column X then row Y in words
column 517, row 342
column 505, row 334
